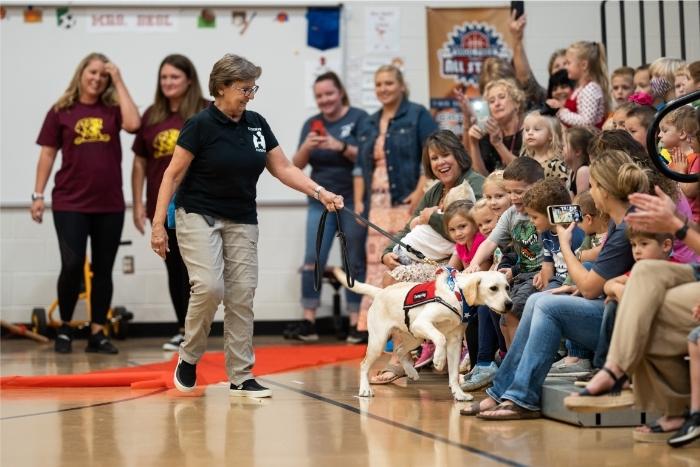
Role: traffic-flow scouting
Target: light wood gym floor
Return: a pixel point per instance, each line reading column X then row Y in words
column 313, row 419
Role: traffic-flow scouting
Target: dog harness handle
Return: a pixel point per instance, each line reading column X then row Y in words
column 318, row 273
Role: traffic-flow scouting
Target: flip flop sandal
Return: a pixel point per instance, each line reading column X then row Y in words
column 517, row 412
column 614, row 398
column 472, row 409
column 655, row 435
column 397, row 370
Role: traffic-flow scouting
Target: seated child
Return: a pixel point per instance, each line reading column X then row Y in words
column 463, row 230
column 678, row 134
column 595, row 226
column 546, row 193
column 495, row 193
column 542, row 140
column 639, row 118
column 489, row 338
column 576, row 158
column 622, row 85
column 425, row 239
column 515, row 227
column 645, row 245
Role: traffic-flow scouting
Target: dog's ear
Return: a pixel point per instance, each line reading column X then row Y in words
column 471, row 292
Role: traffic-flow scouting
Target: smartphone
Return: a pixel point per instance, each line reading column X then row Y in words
column 564, row 213
column 481, row 112
column 318, row 127
column 519, row 8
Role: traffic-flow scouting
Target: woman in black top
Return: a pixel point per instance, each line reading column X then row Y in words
column 219, row 156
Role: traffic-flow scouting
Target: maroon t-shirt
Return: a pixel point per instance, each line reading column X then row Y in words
column 156, row 143
column 90, row 177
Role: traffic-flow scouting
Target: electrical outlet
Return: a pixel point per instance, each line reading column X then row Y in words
column 128, row 264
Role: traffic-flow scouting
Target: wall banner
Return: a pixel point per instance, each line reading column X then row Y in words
column 459, row 40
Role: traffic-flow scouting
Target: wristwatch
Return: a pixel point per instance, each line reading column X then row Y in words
column 317, row 192
column 344, row 148
column 682, row 232
column 36, row 196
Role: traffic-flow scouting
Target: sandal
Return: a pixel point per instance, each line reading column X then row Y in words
column 396, row 370
column 471, row 410
column 517, row 412
column 655, row 435
column 614, row 398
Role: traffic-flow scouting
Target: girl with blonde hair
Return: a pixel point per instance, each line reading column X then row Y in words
column 589, row 103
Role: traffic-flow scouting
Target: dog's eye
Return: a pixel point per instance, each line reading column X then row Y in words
column 494, row 288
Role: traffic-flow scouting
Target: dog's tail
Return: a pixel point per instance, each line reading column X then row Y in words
column 360, row 287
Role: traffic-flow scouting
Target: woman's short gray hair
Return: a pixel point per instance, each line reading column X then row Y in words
column 231, row 68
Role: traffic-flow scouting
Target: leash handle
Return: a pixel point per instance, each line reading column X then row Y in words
column 318, row 273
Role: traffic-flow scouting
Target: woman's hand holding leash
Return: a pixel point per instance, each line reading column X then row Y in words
column 159, row 240
column 330, row 200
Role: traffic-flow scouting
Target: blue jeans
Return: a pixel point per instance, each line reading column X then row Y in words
column 355, row 235
column 545, row 320
column 605, row 336
column 488, row 335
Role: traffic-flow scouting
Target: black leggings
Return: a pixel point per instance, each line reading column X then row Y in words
column 178, row 279
column 73, row 229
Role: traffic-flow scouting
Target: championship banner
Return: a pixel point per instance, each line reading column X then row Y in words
column 459, row 40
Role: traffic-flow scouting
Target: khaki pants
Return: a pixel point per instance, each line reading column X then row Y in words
column 222, row 262
column 650, row 338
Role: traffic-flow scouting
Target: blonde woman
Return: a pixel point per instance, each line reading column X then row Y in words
column 498, row 142
column 87, row 199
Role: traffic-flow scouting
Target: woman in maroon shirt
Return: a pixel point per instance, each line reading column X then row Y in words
column 87, row 200
column 178, row 97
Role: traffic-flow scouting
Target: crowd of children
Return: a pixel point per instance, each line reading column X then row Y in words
column 587, row 114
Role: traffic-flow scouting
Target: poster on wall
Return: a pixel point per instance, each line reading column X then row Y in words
column 459, row 41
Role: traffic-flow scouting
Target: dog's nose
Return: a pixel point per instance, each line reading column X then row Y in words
column 509, row 305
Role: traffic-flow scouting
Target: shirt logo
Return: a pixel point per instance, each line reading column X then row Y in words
column 345, row 130
column 259, row 141
column 164, row 143
column 89, row 130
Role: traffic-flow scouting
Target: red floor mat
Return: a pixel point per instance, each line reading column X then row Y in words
column 210, row 369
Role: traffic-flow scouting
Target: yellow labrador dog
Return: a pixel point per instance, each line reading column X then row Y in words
column 439, row 321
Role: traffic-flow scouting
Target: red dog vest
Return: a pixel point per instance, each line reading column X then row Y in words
column 425, row 293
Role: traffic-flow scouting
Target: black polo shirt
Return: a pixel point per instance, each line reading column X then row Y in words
column 228, row 160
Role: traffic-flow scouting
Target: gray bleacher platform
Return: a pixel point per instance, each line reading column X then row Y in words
column 556, row 389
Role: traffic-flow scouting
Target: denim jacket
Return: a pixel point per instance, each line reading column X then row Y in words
column 403, row 145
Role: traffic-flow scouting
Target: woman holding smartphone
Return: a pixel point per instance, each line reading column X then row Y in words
column 328, row 143
column 495, row 142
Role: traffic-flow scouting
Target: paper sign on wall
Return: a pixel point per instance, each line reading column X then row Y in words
column 132, row 21
column 382, row 33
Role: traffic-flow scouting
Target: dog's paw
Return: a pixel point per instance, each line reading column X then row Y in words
column 439, row 361
column 461, row 396
column 366, row 392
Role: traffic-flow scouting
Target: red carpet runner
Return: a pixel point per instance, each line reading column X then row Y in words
column 210, row 369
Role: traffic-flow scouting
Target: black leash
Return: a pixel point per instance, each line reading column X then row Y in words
column 396, row 240
column 318, row 274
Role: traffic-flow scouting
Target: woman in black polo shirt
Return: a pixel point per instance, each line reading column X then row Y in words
column 220, row 154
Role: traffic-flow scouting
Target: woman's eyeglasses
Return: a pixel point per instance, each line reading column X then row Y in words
column 248, row 92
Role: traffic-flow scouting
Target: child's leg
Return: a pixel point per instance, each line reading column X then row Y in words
column 694, row 352
column 605, row 336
